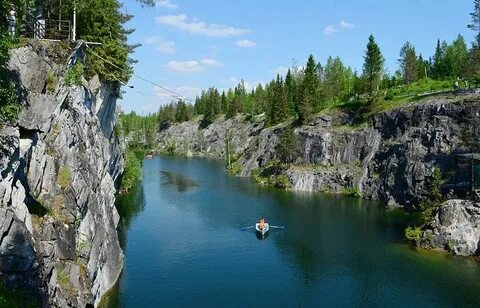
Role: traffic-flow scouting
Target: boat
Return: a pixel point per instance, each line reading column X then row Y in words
column 261, row 232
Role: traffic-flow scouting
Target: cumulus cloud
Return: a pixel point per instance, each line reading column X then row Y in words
column 330, row 30
column 346, row 25
column 195, row 26
column 162, row 45
column 211, row 62
column 342, row 26
column 193, row 66
column 245, row 44
column 166, row 4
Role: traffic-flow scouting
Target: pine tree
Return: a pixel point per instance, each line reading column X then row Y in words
column 439, row 64
column 408, row 63
column 181, row 114
column 475, row 21
column 422, row 67
column 224, row 102
column 310, row 88
column 279, row 109
column 291, row 91
column 372, row 68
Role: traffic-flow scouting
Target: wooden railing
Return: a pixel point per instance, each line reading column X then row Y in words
column 42, row 28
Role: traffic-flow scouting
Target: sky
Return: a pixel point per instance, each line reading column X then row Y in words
column 190, row 45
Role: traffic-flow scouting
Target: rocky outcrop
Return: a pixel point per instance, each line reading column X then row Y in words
column 58, row 167
column 456, row 227
column 391, row 159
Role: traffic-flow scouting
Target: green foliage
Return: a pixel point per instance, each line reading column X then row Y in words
column 351, row 191
column 133, row 169
column 73, row 75
column 12, row 297
column 51, row 82
column 63, row 278
column 413, row 234
column 408, row 63
column 287, row 148
column 64, row 177
column 475, row 21
column 140, row 130
column 422, row 86
column 372, row 68
column 271, row 176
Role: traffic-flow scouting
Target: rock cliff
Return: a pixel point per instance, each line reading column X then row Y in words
column 59, row 164
column 391, row 158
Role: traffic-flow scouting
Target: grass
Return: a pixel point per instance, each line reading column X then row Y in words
column 63, row 278
column 51, row 82
column 64, row 177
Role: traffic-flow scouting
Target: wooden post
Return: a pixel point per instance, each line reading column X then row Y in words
column 74, row 30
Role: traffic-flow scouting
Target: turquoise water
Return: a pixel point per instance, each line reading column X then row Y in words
column 183, row 247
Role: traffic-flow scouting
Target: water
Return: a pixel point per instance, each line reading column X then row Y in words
column 183, row 247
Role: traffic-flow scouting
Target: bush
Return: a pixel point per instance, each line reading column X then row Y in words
column 9, row 106
column 413, row 234
column 351, row 191
column 132, row 172
column 73, row 75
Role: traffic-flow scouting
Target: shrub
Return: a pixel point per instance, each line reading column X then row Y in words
column 351, row 191
column 9, row 106
column 73, row 75
column 132, row 172
column 413, row 234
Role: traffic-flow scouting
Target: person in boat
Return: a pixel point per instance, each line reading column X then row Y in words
column 261, row 224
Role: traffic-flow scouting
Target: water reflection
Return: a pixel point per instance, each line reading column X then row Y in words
column 178, row 181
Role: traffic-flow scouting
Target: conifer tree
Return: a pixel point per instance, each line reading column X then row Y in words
column 310, row 88
column 408, row 63
column 475, row 21
column 372, row 68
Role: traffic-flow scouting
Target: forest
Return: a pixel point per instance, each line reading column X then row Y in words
column 316, row 87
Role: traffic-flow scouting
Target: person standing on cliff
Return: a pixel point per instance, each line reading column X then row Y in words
column 11, row 21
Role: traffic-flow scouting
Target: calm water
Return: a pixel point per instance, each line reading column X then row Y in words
column 184, row 248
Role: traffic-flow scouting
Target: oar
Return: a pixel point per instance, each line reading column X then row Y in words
column 247, row 228
column 277, row 227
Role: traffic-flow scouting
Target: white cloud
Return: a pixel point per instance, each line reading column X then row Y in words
column 166, row 4
column 342, row 26
column 197, row 27
column 162, row 45
column 346, row 25
column 193, row 66
column 245, row 44
column 211, row 62
column 330, row 30
column 185, row 66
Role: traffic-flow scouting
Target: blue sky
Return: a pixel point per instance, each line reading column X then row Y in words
column 189, row 45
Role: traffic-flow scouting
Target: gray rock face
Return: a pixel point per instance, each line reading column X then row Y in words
column 456, row 227
column 391, row 159
column 57, row 187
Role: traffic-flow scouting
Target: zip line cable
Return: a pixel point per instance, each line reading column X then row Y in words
column 174, row 94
